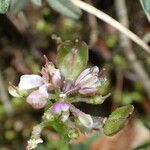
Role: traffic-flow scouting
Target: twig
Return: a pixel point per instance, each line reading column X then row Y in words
column 94, row 27
column 5, row 98
column 106, row 18
column 127, row 46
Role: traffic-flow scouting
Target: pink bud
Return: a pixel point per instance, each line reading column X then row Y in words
column 59, row 107
column 50, row 74
column 38, row 99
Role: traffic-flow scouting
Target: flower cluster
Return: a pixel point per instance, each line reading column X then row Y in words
column 50, row 85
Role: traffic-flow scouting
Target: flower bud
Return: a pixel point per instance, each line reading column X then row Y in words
column 88, row 81
column 38, row 99
column 51, row 74
column 85, row 120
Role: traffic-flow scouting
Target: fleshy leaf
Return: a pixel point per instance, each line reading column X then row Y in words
column 66, row 8
column 72, row 58
column 117, row 120
column 4, row 4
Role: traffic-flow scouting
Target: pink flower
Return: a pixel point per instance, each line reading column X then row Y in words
column 26, row 83
column 50, row 79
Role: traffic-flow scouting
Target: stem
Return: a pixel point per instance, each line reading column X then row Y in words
column 106, row 18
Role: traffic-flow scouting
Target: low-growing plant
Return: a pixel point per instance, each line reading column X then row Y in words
column 58, row 87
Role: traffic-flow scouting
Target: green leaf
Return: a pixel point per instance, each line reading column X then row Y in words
column 72, row 58
column 117, row 120
column 146, row 6
column 65, row 7
column 4, row 4
column 37, row 2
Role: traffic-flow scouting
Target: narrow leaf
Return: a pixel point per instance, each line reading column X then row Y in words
column 72, row 58
column 65, row 7
column 146, row 6
column 4, row 4
column 117, row 120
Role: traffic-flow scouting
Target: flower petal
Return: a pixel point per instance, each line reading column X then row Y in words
column 56, row 78
column 87, row 72
column 87, row 91
column 38, row 99
column 30, row 81
column 13, row 91
column 59, row 107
